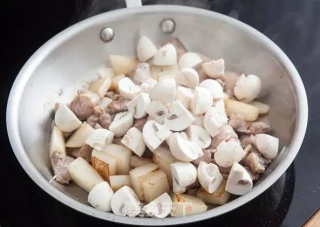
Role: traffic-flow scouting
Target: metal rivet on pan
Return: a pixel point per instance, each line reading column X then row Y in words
column 106, row 34
column 168, row 26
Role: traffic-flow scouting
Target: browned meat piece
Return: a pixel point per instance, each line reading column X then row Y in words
column 99, row 119
column 84, row 152
column 117, row 140
column 83, row 105
column 118, row 105
column 225, row 134
column 110, row 94
column 59, row 164
column 139, row 123
column 97, row 126
column 247, row 149
column 225, row 176
column 238, row 123
column 192, row 191
column 105, row 120
column 207, row 157
column 196, row 184
column 246, row 140
column 254, row 176
column 178, row 45
column 147, row 153
column 92, row 120
column 256, row 162
column 136, row 161
column 258, row 128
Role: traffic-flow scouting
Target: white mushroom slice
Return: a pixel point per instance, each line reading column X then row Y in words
column 105, row 102
column 145, row 49
column 209, row 176
column 154, row 134
column 83, row 174
column 201, row 101
column 188, row 77
column 239, row 181
column 142, row 74
column 123, row 64
column 184, row 205
column 183, row 175
column 127, row 89
column 118, row 181
column 160, row 72
column 179, row 118
column 157, row 111
column 228, row 153
column 166, row 55
column 198, row 121
column 125, row 202
column 199, row 136
column 66, row 120
column 101, row 86
column 214, row 69
column 164, row 91
column 184, row 150
column 160, row 207
column 79, row 137
column 115, row 82
column 247, row 88
column 189, row 60
column 138, row 105
column 214, row 119
column 121, row 124
column 184, row 95
column 146, row 88
column 99, row 138
column 57, row 142
column 184, row 135
column 267, row 145
column 214, row 88
column 220, row 104
column 100, row 196
column 134, row 141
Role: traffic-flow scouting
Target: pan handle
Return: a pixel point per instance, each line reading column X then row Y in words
column 133, row 3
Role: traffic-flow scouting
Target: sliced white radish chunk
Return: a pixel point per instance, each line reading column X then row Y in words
column 199, row 136
column 213, row 120
column 57, row 142
column 267, row 145
column 137, row 176
column 160, row 207
column 184, row 95
column 214, row 69
column 155, row 184
column 136, row 161
column 115, row 82
column 201, row 101
column 188, row 77
column 101, row 86
column 121, row 124
column 118, row 181
column 104, row 164
column 209, row 176
column 247, row 88
column 145, row 49
column 179, row 118
column 183, row 175
column 123, row 64
column 66, row 120
column 184, row 205
column 239, row 181
column 99, row 138
column 100, row 196
column 105, row 102
column 219, row 197
column 125, row 202
column 138, row 105
column 154, row 134
column 214, row 88
column 122, row 154
column 166, row 55
column 229, row 152
column 128, row 89
column 189, row 60
column 79, row 137
column 106, row 72
column 158, row 111
column 133, row 139
column 263, row 108
column 164, row 91
column 83, row 174
column 184, row 150
column 249, row 112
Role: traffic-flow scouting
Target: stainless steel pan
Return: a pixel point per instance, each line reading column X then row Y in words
column 59, row 68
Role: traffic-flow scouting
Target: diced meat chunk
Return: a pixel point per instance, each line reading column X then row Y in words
column 258, row 128
column 83, row 105
column 226, row 133
column 207, row 157
column 139, row 123
column 92, row 120
column 59, row 164
column 196, row 184
column 136, row 161
column 192, row 191
column 105, row 120
column 84, row 152
column 119, row 104
column 110, row 94
column 256, row 162
column 99, row 119
column 238, row 123
column 247, row 140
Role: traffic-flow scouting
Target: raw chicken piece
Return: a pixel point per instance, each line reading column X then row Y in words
column 139, row 123
column 256, row 162
column 110, row 94
column 83, row 104
column 258, row 128
column 238, row 123
column 102, row 119
column 59, row 164
column 226, row 133
column 118, row 105
column 92, row 120
column 207, row 157
column 246, row 140
column 84, row 152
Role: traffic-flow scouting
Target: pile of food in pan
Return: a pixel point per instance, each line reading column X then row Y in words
column 164, row 134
